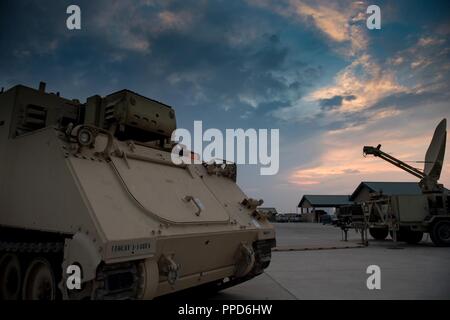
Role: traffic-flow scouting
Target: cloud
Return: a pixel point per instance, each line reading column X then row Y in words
column 342, row 164
column 341, row 22
column 428, row 50
column 133, row 26
column 310, row 68
column 356, row 88
column 335, row 101
column 364, row 80
column 170, row 20
column 329, row 103
column 171, row 49
column 327, row 18
column 429, row 41
column 396, row 102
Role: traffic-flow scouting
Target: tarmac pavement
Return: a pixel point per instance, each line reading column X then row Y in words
column 314, row 263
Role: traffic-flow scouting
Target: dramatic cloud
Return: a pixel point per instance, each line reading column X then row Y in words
column 310, row 68
column 340, row 21
column 343, row 152
column 364, row 80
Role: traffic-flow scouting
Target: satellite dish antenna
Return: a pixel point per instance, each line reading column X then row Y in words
column 434, row 158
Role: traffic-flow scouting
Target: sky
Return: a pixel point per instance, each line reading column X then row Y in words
column 311, row 69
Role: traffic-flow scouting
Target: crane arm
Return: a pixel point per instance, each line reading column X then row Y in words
column 375, row 151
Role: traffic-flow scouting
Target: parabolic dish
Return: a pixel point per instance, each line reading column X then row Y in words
column 434, row 158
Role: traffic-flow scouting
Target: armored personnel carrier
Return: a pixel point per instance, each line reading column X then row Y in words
column 92, row 206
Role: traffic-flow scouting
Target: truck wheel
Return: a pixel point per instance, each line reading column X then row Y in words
column 440, row 233
column 400, row 235
column 379, row 233
column 413, row 237
column 10, row 277
column 39, row 282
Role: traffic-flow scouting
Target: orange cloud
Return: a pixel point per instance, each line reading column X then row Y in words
column 338, row 21
column 330, row 20
column 363, row 79
column 342, row 166
column 174, row 20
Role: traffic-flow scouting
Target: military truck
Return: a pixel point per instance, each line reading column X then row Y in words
column 408, row 217
column 92, row 206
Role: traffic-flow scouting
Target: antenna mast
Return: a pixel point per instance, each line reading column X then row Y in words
column 434, row 160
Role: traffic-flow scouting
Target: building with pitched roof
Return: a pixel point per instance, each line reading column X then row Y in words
column 364, row 189
column 310, row 204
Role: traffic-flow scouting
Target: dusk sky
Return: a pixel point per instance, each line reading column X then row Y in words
column 310, row 68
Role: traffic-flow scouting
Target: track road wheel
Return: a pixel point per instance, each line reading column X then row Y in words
column 379, row 233
column 440, row 233
column 39, row 282
column 10, row 277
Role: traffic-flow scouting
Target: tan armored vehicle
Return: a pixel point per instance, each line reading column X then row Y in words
column 92, row 206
